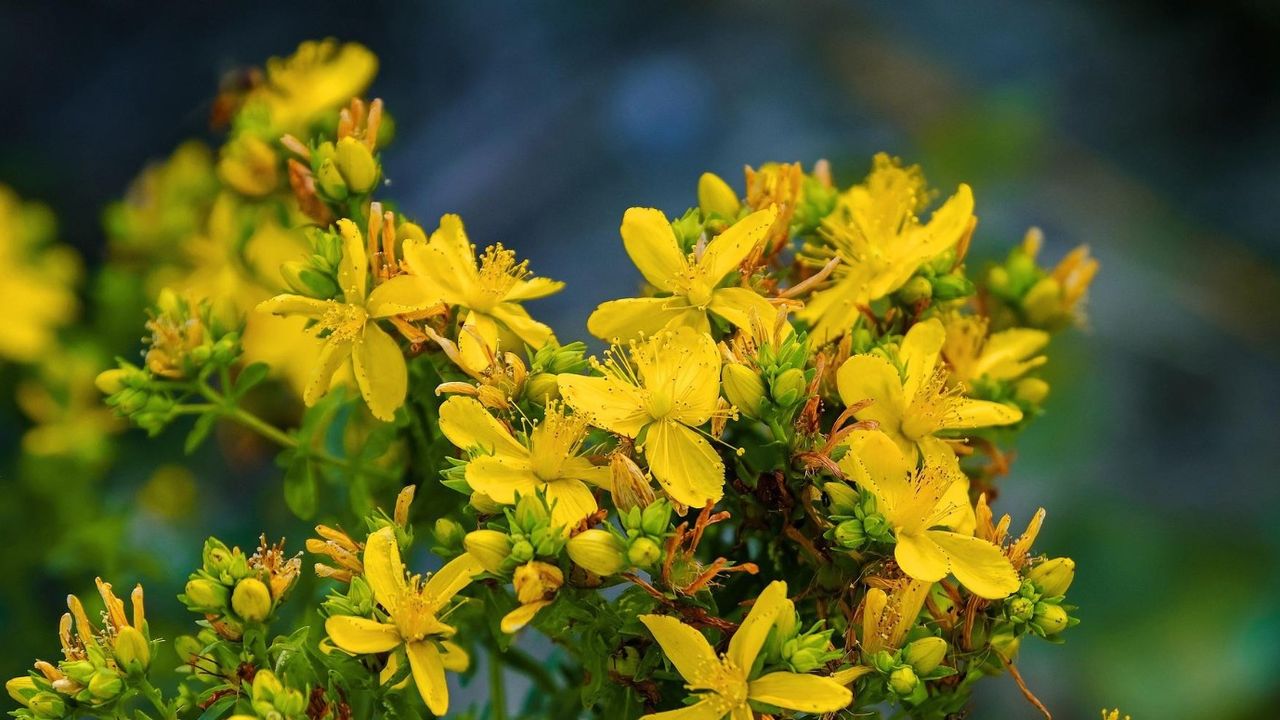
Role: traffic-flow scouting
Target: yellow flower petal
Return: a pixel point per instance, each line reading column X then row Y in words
column 1008, row 354
column 573, row 502
column 295, row 305
column 806, row 693
column 580, row 468
column 745, row 644
column 629, row 318
column 534, row 288
column 501, row 477
column 727, row 250
column 468, row 425
column 399, row 295
column 332, row 354
column 354, row 270
column 652, row 245
column 977, row 564
column 686, row 649
column 383, row 569
column 709, row 709
column 740, row 305
column 877, row 464
column 449, row 580
column 361, row 635
column 453, row 657
column 684, row 463
column 515, row 318
column 514, row 621
column 478, row 341
column 684, row 367
column 831, row 312
column 607, row 403
column 920, row 557
column 428, row 674
column 966, row 413
column 919, row 353
column 381, row 372
column 871, row 376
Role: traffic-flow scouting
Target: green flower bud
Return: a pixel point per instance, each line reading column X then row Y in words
column 656, row 518
column 78, row 670
column 357, row 165
column 903, row 681
column 1005, row 643
column 522, row 552
column 644, row 552
column 330, row 180
column 744, row 388
column 598, row 551
column 531, row 513
column 1021, row 609
column 952, row 287
column 206, row 595
column 876, row 527
column 716, row 197
column 132, row 650
column 47, row 705
column 490, row 548
column 1053, row 577
column 187, row 647
column 251, row 600
column 625, row 662
column 1051, row 618
column 925, row 655
column 849, row 534
column 449, row 534
column 789, row 387
column 542, row 387
column 105, row 684
column 884, row 661
column 21, row 689
column 917, row 289
column 304, row 279
column 841, row 499
column 998, row 280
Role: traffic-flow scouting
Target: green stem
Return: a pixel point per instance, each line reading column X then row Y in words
column 497, row 686
column 149, row 691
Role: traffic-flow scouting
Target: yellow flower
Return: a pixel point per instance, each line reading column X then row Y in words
column 1112, row 714
column 888, row 614
column 925, row 508
column 536, row 585
column 723, row 684
column 691, row 281
column 670, row 386
column 910, row 407
column 321, row 75
column 1006, row 355
column 65, row 406
column 881, row 243
column 35, row 280
column 350, row 331
column 548, row 460
column 413, row 608
column 491, row 291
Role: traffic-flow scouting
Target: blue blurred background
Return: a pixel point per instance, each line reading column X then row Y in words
column 1149, row 130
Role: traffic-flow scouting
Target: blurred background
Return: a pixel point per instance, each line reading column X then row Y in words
column 1149, row 130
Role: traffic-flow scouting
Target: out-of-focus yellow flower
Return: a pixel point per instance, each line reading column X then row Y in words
column 350, row 331
column 723, row 684
column 36, row 280
column 1005, row 355
column 321, row 75
column 548, row 460
column 925, row 507
column 669, row 386
column 1057, row 300
column 165, row 205
column 1112, row 714
column 692, row 281
column 249, row 165
column 490, row 291
column 66, row 408
column 913, row 405
column 413, row 608
column 881, row 243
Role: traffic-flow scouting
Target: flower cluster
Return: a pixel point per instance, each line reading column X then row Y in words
column 770, row 496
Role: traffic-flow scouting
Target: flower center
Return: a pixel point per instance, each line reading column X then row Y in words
column 499, row 273
column 557, row 438
column 344, row 322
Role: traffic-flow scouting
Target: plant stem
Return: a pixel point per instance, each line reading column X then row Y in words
column 497, row 686
column 153, row 696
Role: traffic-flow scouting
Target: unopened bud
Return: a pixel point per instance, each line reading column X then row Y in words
column 132, row 650
column 105, row 684
column 1043, row 302
column 484, row 504
column 925, row 655
column 1051, row 618
column 21, row 689
column 841, row 499
column 206, row 595
column 522, row 551
column 744, row 388
column 1053, row 577
column 1021, row 609
column 357, row 165
column 849, row 534
column 656, row 518
column 715, row 196
column 916, row 290
column 489, row 547
column 644, row 552
column 789, row 387
column 47, row 705
column 187, row 647
column 1031, row 391
column 903, row 681
column 598, row 551
column 952, row 287
column 531, row 512
column 542, row 388
column 111, row 381
column 330, row 180
column 251, row 600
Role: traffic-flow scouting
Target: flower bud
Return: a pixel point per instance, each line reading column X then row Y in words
column 489, row 547
column 903, row 681
column 522, row 551
column 448, row 534
column 206, row 595
column 105, row 684
column 536, row 581
column 47, row 705
column 111, row 381
column 357, row 165
column 1005, row 644
column 841, row 499
column 132, row 650
column 484, row 504
column 1053, row 577
column 1043, row 303
column 542, row 388
column 1051, row 618
column 916, row 290
column 21, row 689
column 1031, row 391
column 625, row 662
column 531, row 512
column 598, row 551
column 631, row 488
column 744, row 388
column 251, row 600
column 715, row 196
column 330, row 180
column 410, row 231
column 644, row 552
column 884, row 661
column 304, row 279
column 1021, row 609
column 656, row 518
column 187, row 647
column 849, row 534
column 789, row 387
column 952, row 287
column 925, row 655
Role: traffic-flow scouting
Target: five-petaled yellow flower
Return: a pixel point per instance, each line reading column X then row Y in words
column 1005, row 355
column 925, row 508
column 723, row 683
column 490, row 291
column 548, row 460
column 321, row 75
column 910, row 407
column 691, row 281
column 881, row 243
column 350, row 331
column 413, row 608
column 668, row 388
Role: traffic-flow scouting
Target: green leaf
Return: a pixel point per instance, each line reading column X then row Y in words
column 199, row 432
column 301, row 490
column 249, row 377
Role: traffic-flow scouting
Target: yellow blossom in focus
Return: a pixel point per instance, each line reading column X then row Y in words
column 1005, row 355
column 723, row 684
column 779, row 185
column 536, row 584
column 36, row 280
column 881, row 243
column 412, row 609
column 692, row 281
column 888, row 613
column 926, row 508
column 913, row 405
column 548, row 460
column 490, row 291
column 659, row 393
column 350, row 330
